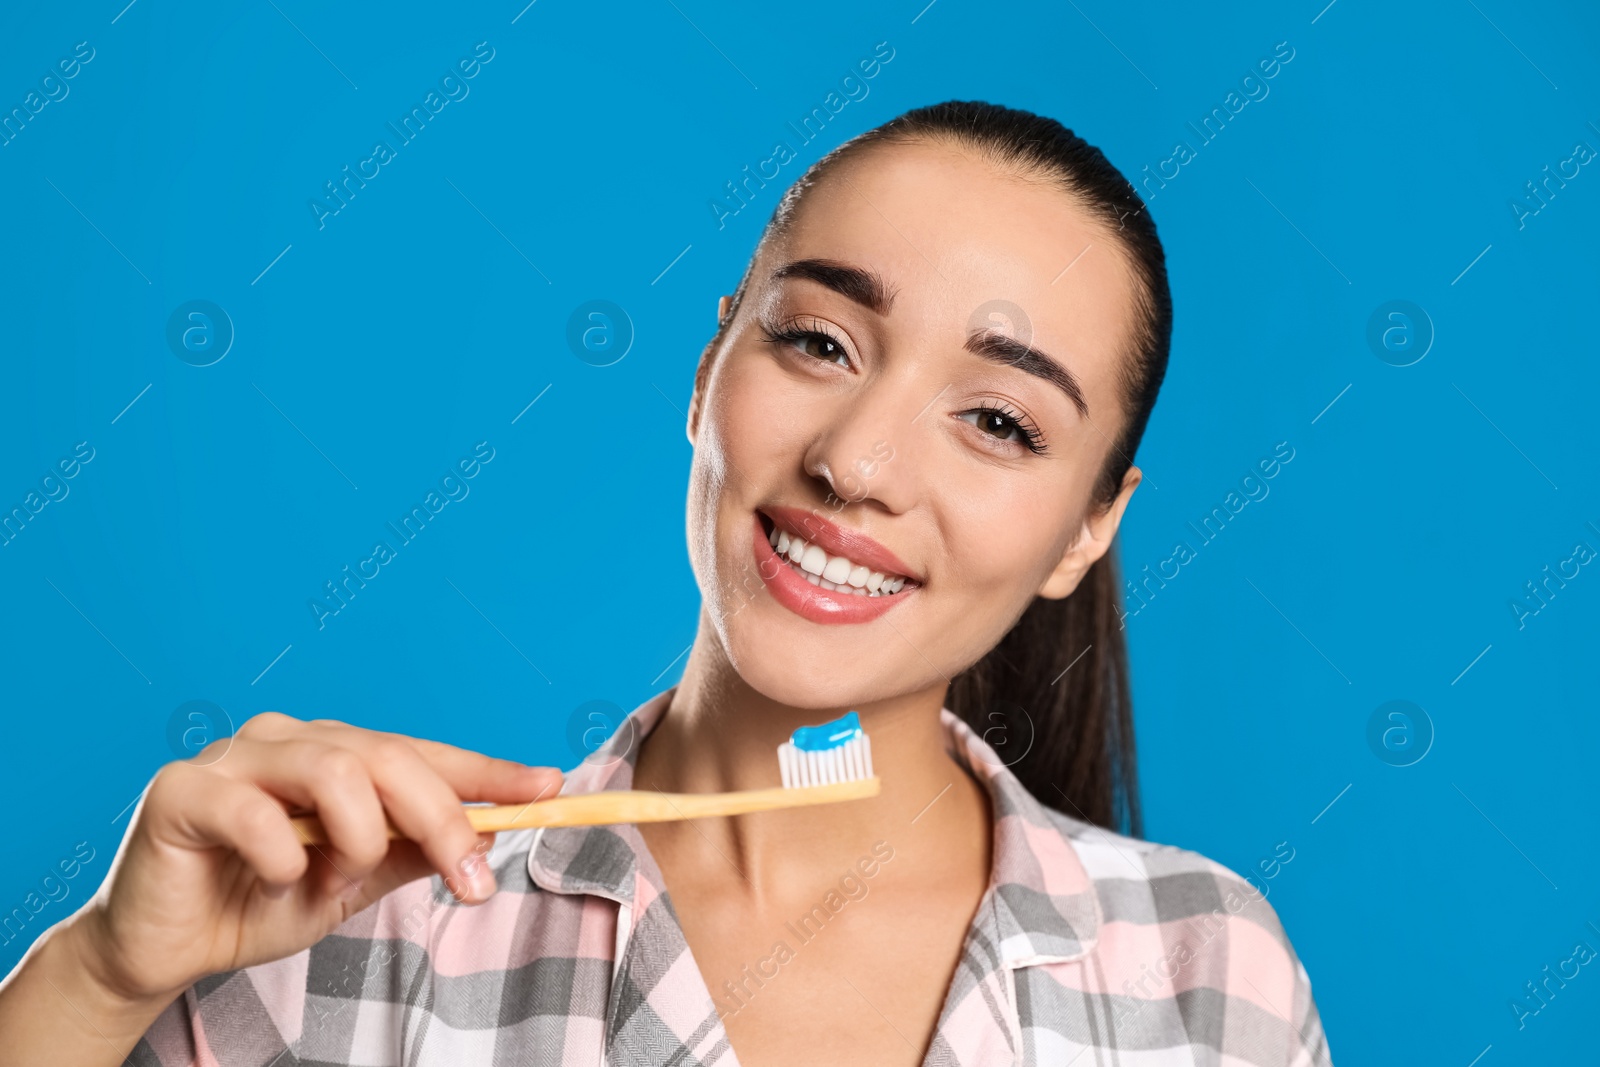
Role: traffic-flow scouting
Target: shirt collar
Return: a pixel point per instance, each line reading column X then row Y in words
column 1041, row 905
column 602, row 860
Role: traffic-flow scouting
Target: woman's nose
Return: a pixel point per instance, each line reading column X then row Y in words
column 862, row 456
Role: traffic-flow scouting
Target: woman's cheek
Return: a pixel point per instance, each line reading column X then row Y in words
column 744, row 413
column 1004, row 552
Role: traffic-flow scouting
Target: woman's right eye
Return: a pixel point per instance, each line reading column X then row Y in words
column 821, row 346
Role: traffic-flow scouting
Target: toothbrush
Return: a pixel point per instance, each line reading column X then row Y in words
column 819, row 765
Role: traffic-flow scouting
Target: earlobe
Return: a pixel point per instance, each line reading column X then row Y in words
column 1093, row 541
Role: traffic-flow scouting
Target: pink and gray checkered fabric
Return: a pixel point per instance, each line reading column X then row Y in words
column 1088, row 949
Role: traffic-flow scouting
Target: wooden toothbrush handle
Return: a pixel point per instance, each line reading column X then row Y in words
column 623, row 806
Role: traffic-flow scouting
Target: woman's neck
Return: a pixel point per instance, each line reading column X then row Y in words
column 719, row 734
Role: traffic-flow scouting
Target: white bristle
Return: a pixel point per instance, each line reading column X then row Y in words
column 851, row 761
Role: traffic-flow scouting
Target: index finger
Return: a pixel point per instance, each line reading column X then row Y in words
column 476, row 777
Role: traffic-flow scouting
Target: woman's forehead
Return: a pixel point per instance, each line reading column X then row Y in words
column 950, row 235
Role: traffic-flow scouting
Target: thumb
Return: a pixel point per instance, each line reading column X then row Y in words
column 406, row 863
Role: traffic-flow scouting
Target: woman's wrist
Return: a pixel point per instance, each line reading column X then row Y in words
column 85, row 946
column 63, row 1005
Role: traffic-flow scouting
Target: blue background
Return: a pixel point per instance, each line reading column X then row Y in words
column 425, row 316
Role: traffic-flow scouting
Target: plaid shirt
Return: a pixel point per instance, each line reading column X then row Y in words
column 1088, row 949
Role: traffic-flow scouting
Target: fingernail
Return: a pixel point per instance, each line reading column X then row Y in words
column 274, row 891
column 480, row 879
column 348, row 890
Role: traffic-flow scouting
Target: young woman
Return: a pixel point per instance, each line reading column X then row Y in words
column 935, row 372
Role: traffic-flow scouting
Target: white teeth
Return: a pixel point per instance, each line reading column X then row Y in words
column 836, row 574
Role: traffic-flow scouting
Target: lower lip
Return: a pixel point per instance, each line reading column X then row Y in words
column 812, row 601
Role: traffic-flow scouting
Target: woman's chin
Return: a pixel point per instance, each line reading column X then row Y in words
column 819, row 679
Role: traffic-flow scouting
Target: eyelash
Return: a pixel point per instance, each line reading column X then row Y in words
column 793, row 332
column 1032, row 439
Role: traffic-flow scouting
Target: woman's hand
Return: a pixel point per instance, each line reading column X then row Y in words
column 212, row 876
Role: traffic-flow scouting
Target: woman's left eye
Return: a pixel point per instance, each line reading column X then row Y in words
column 1004, row 427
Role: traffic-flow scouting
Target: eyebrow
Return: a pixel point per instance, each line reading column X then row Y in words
column 865, row 287
column 1008, row 350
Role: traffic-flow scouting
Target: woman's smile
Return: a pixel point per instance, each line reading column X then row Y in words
column 824, row 572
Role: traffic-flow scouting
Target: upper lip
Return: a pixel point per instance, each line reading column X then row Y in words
column 835, row 540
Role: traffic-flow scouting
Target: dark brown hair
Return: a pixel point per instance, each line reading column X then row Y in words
column 1053, row 696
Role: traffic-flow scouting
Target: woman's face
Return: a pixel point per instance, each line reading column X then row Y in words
column 916, row 397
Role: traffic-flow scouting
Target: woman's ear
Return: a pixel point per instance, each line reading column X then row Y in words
column 693, row 424
column 1093, row 541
